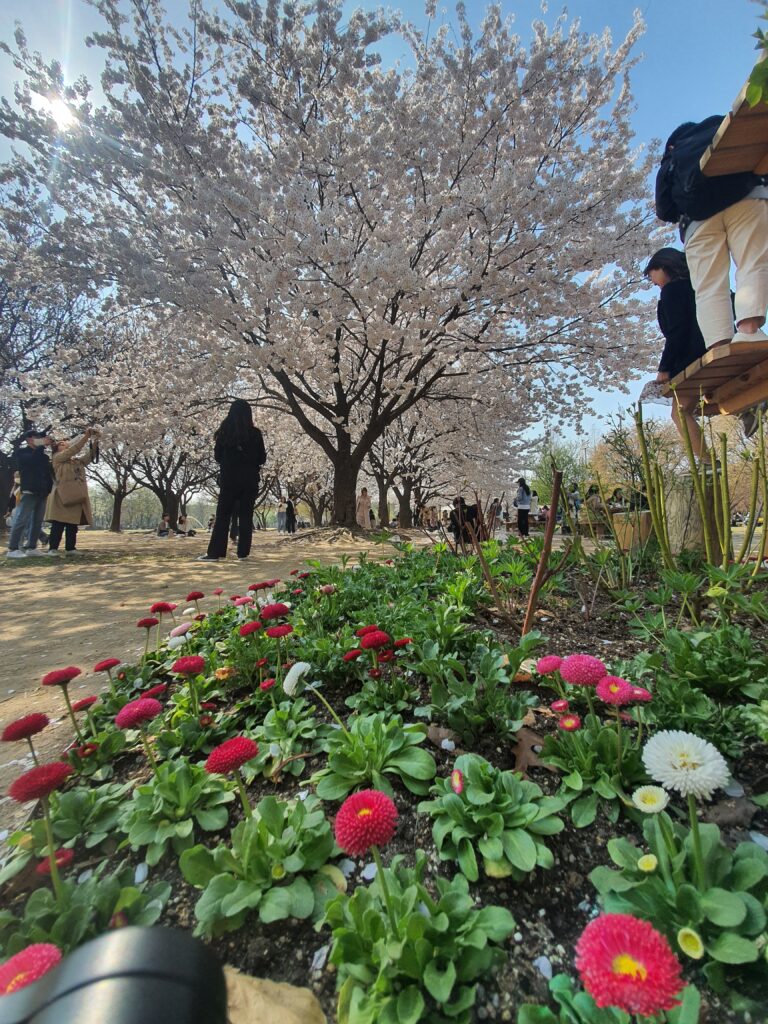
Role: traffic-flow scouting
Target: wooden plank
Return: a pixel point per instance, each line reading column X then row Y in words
column 729, row 378
column 741, row 141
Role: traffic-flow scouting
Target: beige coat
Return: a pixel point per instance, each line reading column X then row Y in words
column 363, row 511
column 66, row 466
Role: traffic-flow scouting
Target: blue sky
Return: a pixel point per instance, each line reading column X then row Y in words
column 696, row 56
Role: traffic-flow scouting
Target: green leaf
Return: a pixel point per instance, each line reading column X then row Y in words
column 723, row 908
column 439, row 983
column 728, row 948
column 689, row 1009
column 197, row 866
column 529, row 1014
column 584, row 810
column 519, row 849
column 410, row 1006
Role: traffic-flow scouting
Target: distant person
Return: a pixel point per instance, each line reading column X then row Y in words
column 281, row 516
column 290, row 515
column 523, row 503
column 211, row 521
column 164, row 526
column 462, row 517
column 69, row 506
column 183, row 528
column 617, row 501
column 239, row 451
column 535, row 513
column 363, row 510
column 35, row 483
column 494, row 516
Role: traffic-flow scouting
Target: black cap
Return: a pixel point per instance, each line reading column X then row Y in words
column 662, row 258
column 34, row 433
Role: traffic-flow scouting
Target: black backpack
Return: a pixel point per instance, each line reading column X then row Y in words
column 682, row 191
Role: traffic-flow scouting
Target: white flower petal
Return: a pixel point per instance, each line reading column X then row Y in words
column 685, row 763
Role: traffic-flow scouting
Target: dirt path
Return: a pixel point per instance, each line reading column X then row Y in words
column 77, row 610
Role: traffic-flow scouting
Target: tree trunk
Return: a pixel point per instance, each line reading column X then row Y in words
column 685, row 525
column 383, row 501
column 345, row 471
column 405, row 516
column 6, row 484
column 117, row 511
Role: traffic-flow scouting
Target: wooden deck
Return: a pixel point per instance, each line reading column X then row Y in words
column 729, row 378
column 741, row 142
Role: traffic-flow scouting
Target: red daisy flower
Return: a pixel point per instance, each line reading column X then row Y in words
column 62, row 858
column 614, row 690
column 569, row 723
column 162, row 608
column 250, row 627
column 155, row 691
column 255, row 587
column 137, row 712
column 199, row 617
column 240, row 602
column 639, row 693
column 548, row 664
column 374, row 673
column 194, row 595
column 275, row 632
column 301, row 576
column 266, row 684
column 294, row 572
column 402, row 642
column 189, row 665
column 148, row 622
column 86, row 750
column 328, row 589
column 25, row 727
column 457, row 781
column 218, row 591
column 365, row 819
column 274, row 611
column 582, row 670
column 625, row 963
column 377, row 638
column 85, row 702
column 207, row 705
column 61, row 676
column 205, row 721
column 298, row 592
column 365, row 629
column 106, row 665
column 385, row 656
column 559, row 706
column 39, row 782
column 262, row 663
column 351, row 655
column 27, row 966
column 231, row 755
column 273, row 583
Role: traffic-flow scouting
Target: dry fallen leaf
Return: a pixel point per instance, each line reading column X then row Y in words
column 255, row 1000
column 437, row 733
column 526, row 756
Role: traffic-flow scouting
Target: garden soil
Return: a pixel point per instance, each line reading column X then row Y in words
column 78, row 609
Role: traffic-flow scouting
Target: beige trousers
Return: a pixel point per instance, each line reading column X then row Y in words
column 740, row 232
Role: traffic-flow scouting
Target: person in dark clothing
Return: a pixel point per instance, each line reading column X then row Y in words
column 683, row 341
column 290, row 515
column 239, row 451
column 461, row 516
column 36, row 483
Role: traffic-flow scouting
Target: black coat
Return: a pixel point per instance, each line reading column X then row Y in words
column 34, row 468
column 676, row 313
column 240, row 464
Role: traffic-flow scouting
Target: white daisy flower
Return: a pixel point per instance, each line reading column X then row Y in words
column 295, row 673
column 686, row 763
column 650, row 799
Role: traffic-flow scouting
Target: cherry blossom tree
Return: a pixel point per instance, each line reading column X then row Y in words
column 359, row 237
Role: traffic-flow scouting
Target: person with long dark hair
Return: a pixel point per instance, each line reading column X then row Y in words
column 239, row 451
column 523, row 503
column 683, row 341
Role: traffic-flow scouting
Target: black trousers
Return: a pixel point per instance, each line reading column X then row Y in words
column 234, row 499
column 522, row 521
column 290, row 524
column 57, row 530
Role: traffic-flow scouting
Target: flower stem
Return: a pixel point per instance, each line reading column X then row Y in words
column 72, row 714
column 146, row 644
column 590, row 702
column 55, row 876
column 698, row 855
column 112, row 689
column 148, row 749
column 91, row 723
column 243, row 795
column 32, row 749
column 279, row 671
column 193, row 695
column 663, row 852
column 330, row 710
column 618, row 742
column 385, row 890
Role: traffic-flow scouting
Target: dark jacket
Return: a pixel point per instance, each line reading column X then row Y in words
column 34, row 468
column 676, row 313
column 240, row 464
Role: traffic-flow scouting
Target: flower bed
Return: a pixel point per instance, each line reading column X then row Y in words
column 357, row 780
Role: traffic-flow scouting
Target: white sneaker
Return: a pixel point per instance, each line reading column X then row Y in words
column 16, row 554
column 742, row 336
column 52, row 551
column 37, row 552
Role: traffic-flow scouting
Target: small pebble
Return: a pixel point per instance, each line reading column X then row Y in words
column 518, row 936
column 544, row 966
column 84, row 876
column 320, row 957
column 760, row 839
column 734, row 789
column 346, row 867
column 369, row 872
column 448, row 745
column 141, row 873
column 542, row 912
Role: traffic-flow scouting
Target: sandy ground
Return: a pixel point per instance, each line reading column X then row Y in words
column 76, row 610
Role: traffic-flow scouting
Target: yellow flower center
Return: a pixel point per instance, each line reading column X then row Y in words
column 626, row 965
column 16, row 982
column 614, row 687
column 687, row 762
column 364, row 812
